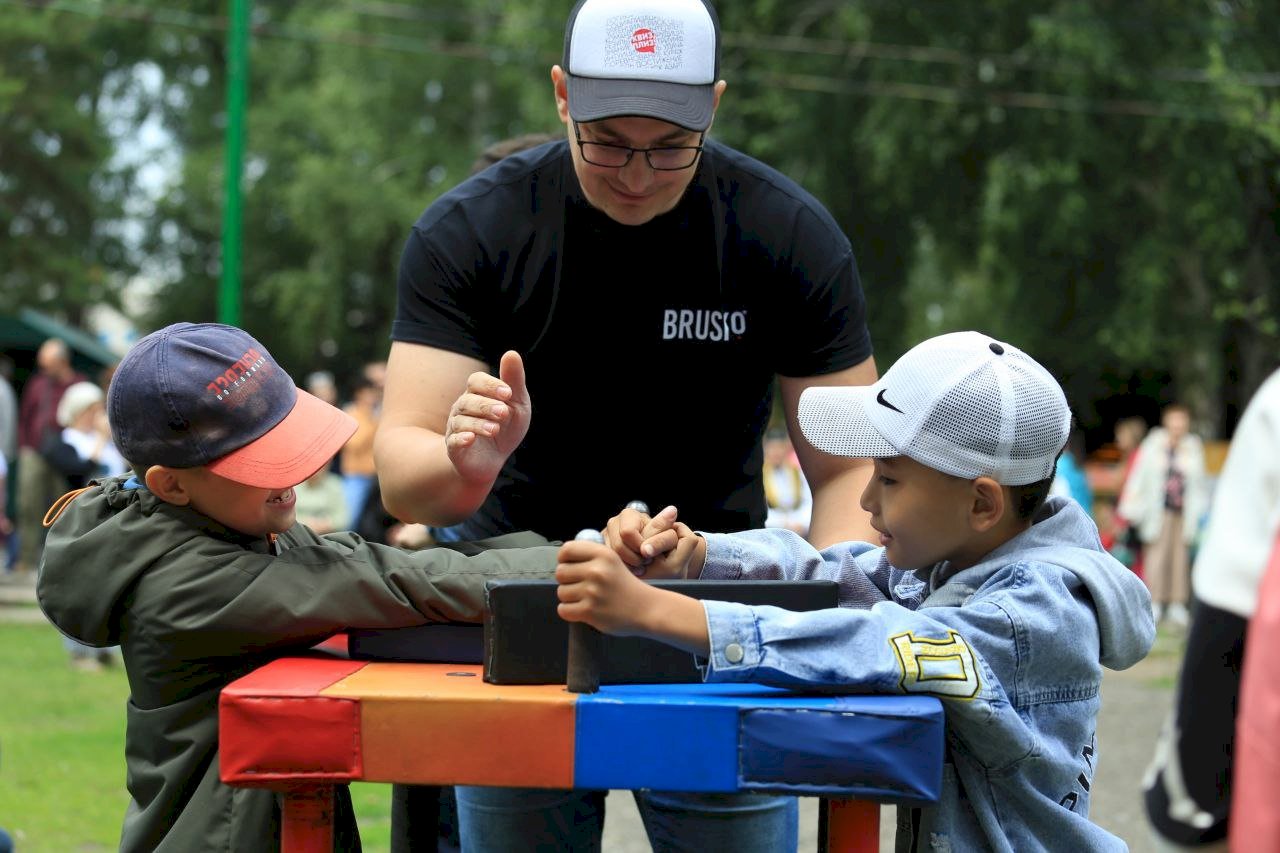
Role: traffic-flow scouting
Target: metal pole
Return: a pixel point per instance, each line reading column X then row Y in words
column 237, row 96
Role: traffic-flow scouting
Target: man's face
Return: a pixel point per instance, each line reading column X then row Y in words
column 635, row 193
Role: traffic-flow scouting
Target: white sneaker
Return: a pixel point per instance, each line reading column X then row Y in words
column 1178, row 615
column 1157, row 612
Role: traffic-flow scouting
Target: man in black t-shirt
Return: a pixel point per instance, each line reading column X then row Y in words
column 653, row 285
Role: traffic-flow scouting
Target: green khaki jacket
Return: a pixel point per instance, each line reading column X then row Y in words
column 194, row 606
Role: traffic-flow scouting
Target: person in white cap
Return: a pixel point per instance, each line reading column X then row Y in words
column 634, row 257
column 635, row 248
column 983, row 593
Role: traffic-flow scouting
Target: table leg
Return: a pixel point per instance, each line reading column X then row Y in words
column 306, row 824
column 848, row 826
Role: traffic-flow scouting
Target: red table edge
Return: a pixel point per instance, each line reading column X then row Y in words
column 845, row 825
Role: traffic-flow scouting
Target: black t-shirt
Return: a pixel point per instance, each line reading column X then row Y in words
column 650, row 350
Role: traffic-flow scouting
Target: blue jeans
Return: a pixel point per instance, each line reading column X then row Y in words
column 512, row 820
column 356, row 489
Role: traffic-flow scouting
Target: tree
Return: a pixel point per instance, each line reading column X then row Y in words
column 61, row 193
column 1096, row 183
column 358, row 117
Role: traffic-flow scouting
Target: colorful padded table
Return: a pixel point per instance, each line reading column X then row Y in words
column 301, row 725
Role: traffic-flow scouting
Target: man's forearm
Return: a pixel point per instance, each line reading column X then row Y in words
column 418, row 481
column 837, row 513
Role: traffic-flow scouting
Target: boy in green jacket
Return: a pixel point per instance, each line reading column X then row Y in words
column 197, row 568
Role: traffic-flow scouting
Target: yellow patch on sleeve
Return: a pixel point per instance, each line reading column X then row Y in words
column 940, row 667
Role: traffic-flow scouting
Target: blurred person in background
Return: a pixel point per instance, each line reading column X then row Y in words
column 1190, row 796
column 8, row 411
column 1127, row 544
column 83, row 450
column 785, row 488
column 6, row 525
column 9, row 452
column 325, row 387
column 322, row 502
column 81, row 453
column 39, row 485
column 1165, row 498
column 322, row 384
column 1069, row 480
column 356, row 456
column 376, row 374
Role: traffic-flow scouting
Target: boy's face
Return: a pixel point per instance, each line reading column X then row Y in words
column 922, row 515
column 247, row 509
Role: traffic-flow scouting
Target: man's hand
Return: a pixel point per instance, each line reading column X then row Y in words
column 654, row 548
column 488, row 421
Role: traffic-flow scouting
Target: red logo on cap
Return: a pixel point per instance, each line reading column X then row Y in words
column 237, row 374
column 643, row 40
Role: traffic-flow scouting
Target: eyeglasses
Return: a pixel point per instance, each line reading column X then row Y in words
column 665, row 159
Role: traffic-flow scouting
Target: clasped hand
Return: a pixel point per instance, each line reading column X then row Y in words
column 601, row 585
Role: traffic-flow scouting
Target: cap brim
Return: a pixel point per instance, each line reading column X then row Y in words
column 293, row 449
column 595, row 98
column 834, row 420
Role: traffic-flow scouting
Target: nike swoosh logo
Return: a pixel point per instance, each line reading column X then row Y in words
column 882, row 401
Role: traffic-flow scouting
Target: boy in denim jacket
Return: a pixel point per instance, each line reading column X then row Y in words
column 983, row 593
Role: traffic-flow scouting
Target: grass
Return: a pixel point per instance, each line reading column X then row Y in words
column 62, row 772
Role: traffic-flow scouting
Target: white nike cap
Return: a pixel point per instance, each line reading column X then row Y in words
column 654, row 58
column 961, row 403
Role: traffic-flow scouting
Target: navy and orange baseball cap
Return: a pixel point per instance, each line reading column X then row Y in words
column 209, row 394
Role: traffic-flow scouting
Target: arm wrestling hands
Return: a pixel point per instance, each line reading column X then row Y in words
column 600, row 584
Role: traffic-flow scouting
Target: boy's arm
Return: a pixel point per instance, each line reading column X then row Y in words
column 885, row 649
column 775, row 554
column 226, row 603
column 596, row 587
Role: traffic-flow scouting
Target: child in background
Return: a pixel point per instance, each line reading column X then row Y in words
column 785, row 488
column 197, row 568
column 984, row 594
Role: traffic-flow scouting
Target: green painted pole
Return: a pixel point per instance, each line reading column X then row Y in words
column 237, row 96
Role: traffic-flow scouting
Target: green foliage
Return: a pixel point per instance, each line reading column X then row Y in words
column 1098, row 183
column 60, row 196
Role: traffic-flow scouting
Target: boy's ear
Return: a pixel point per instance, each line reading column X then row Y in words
column 164, row 483
column 987, row 504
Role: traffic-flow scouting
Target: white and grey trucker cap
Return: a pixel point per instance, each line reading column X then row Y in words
column 654, row 58
column 961, row 403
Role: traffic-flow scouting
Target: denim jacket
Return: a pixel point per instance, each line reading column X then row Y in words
column 1013, row 646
